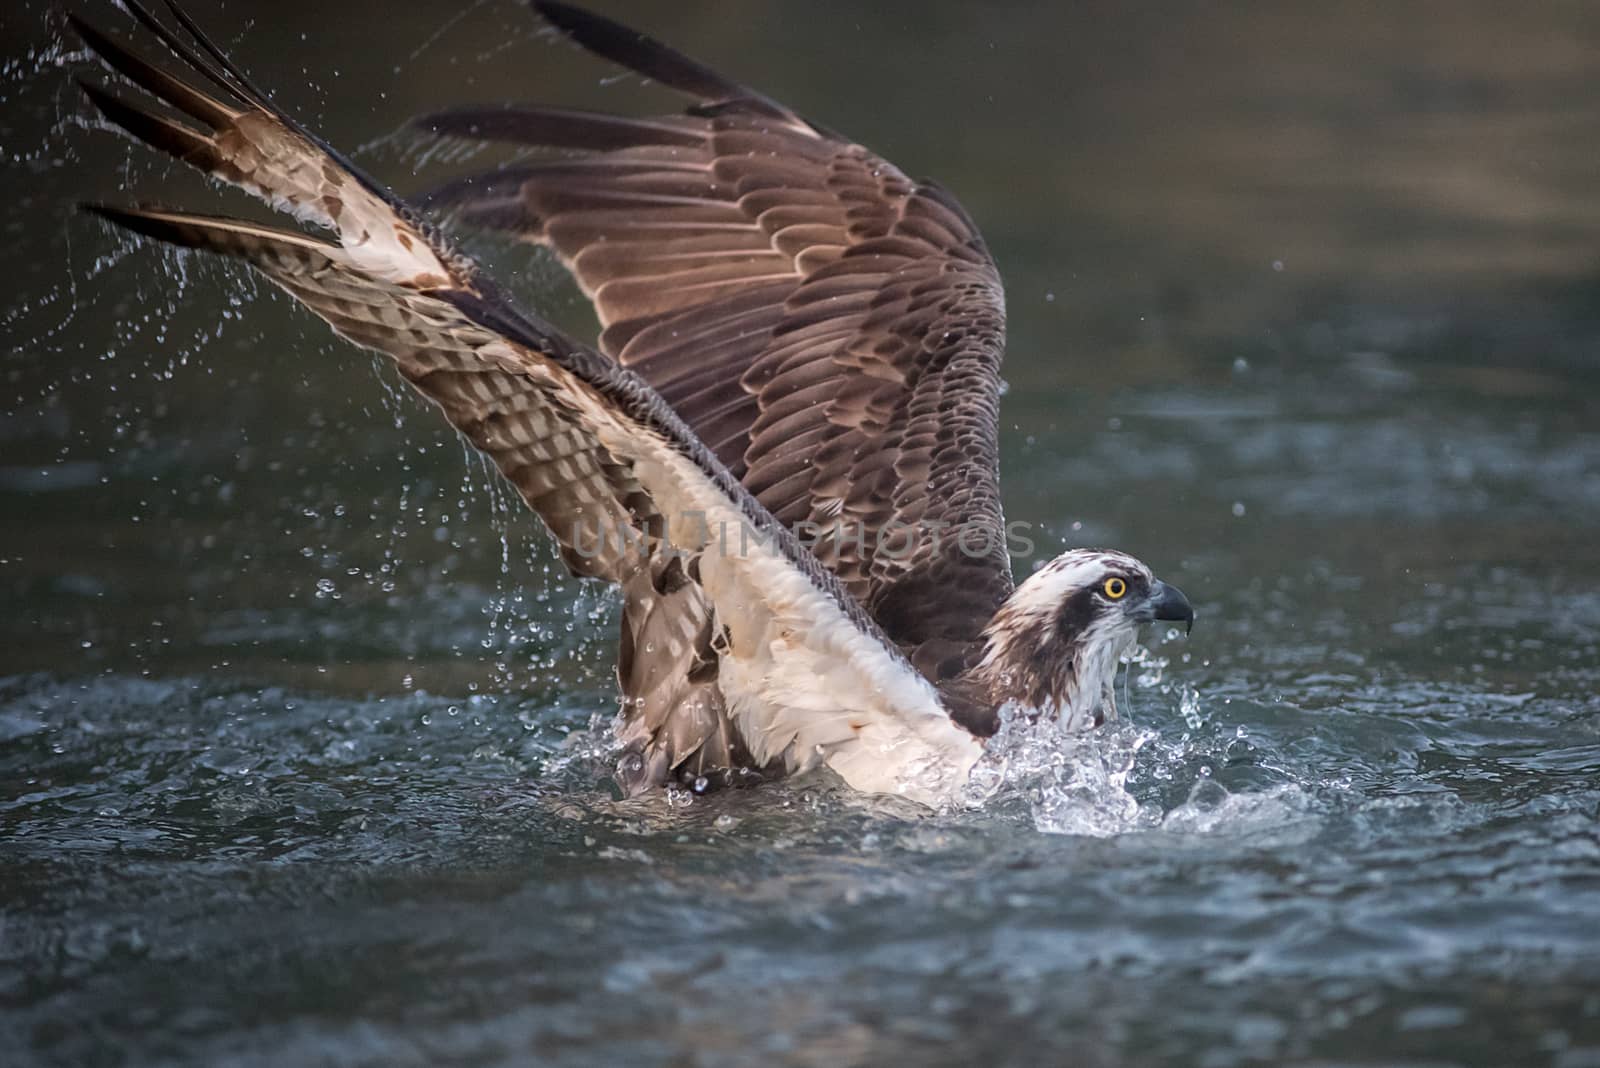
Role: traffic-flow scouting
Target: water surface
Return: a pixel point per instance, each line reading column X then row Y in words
column 301, row 724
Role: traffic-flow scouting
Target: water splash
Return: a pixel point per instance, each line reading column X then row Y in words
column 1185, row 773
column 1211, row 808
column 1068, row 783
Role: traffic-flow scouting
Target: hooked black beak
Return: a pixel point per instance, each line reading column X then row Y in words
column 1169, row 604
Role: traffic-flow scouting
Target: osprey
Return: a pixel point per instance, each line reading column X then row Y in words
column 783, row 448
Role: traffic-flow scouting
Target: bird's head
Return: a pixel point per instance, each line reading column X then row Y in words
column 1055, row 643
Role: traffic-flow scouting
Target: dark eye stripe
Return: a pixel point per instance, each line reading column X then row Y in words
column 1077, row 612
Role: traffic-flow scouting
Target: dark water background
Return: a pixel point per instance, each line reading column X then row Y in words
column 1305, row 311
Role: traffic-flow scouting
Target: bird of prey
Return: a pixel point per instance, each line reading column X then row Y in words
column 783, row 447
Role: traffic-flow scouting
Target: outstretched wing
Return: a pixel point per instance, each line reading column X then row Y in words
column 829, row 327
column 751, row 655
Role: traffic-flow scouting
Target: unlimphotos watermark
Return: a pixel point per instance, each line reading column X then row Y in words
column 893, row 540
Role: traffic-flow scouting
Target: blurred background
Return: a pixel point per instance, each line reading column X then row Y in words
column 1320, row 260
column 1304, row 308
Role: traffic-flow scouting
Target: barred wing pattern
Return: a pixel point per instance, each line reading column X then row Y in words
column 830, row 328
column 757, row 658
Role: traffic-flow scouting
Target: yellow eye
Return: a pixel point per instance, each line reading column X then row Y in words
column 1115, row 588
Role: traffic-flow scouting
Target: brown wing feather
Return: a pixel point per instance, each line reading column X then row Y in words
column 532, row 400
column 831, row 328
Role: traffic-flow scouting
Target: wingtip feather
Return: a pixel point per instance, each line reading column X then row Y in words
column 91, row 207
column 646, row 56
column 155, row 130
column 563, row 16
column 138, row 220
column 141, row 221
column 188, row 98
column 225, row 234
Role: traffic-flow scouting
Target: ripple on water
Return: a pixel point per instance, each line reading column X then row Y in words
column 1297, row 850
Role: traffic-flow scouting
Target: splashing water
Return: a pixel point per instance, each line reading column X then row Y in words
column 1121, row 778
column 1069, row 783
